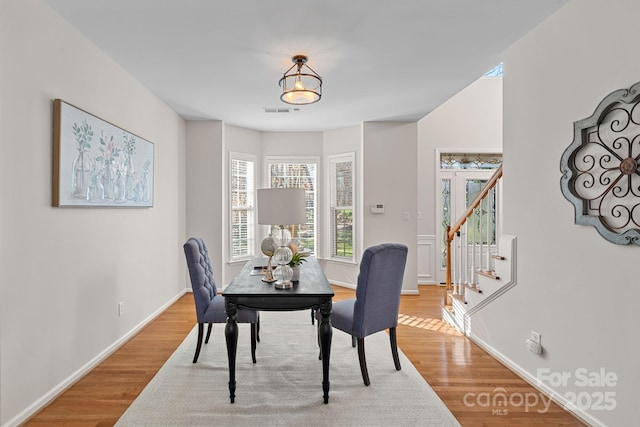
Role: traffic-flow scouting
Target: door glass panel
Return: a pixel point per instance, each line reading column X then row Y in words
column 476, row 227
column 445, row 192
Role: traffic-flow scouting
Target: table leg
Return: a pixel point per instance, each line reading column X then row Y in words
column 326, row 333
column 231, row 334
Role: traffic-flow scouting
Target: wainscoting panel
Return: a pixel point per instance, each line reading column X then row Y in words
column 426, row 260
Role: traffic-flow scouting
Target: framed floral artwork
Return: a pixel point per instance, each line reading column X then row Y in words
column 98, row 164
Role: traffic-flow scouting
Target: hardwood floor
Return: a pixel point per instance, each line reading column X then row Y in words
column 458, row 370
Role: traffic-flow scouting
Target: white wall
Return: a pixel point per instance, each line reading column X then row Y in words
column 63, row 270
column 390, row 178
column 578, row 290
column 470, row 120
column 291, row 144
column 204, row 192
column 244, row 141
column 386, row 161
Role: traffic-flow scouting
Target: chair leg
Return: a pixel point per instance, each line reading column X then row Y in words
column 254, row 333
column 258, row 329
column 206, row 340
column 353, row 341
column 199, row 343
column 394, row 347
column 363, row 362
column 313, row 316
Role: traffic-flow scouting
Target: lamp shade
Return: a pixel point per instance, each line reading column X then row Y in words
column 281, row 206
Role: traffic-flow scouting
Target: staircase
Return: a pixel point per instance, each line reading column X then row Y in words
column 480, row 263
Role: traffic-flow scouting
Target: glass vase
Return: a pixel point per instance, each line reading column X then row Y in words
column 120, row 196
column 129, row 177
column 109, row 180
column 80, row 177
column 95, row 191
column 146, row 188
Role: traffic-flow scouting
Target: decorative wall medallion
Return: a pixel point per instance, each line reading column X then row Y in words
column 600, row 174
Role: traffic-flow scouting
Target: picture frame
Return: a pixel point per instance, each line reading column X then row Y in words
column 98, row 164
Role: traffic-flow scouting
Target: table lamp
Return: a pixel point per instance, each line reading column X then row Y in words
column 281, row 207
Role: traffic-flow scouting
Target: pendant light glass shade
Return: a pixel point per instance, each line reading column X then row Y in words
column 300, row 84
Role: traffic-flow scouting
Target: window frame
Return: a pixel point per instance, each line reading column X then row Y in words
column 269, row 160
column 333, row 160
column 251, row 208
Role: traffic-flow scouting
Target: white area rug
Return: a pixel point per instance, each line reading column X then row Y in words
column 284, row 387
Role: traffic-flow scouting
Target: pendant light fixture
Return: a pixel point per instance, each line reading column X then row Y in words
column 302, row 86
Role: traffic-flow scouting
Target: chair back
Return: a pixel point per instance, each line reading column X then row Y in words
column 378, row 289
column 201, row 274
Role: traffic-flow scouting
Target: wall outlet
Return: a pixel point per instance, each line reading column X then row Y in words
column 536, row 337
column 120, row 308
column 534, row 347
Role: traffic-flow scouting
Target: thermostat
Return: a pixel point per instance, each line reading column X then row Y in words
column 377, row 208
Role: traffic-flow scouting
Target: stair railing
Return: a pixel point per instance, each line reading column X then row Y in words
column 473, row 255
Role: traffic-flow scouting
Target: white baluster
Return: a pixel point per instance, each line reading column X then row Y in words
column 459, row 260
column 454, row 263
column 480, row 232
column 495, row 220
column 465, row 251
column 489, row 239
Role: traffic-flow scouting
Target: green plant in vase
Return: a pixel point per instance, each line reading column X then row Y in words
column 295, row 262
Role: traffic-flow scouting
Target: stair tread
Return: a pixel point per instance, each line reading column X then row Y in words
column 473, row 288
column 489, row 274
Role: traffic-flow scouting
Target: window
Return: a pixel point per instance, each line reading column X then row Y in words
column 341, row 175
column 242, row 206
column 298, row 173
column 496, row 71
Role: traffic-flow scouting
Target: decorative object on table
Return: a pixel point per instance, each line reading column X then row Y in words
column 600, row 174
column 268, row 247
column 296, row 260
column 281, row 207
column 303, row 86
column 98, row 164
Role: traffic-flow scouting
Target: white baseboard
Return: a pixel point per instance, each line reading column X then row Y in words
column 542, row 388
column 343, row 284
column 68, row 382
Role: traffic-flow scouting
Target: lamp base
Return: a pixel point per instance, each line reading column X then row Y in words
column 283, row 285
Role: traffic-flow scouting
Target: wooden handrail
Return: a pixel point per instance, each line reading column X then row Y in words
column 475, row 203
column 453, row 230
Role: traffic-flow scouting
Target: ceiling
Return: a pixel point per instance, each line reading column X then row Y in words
column 380, row 60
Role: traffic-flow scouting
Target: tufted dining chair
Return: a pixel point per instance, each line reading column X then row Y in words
column 377, row 302
column 210, row 307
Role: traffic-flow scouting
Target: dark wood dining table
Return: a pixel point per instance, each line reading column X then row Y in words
column 247, row 291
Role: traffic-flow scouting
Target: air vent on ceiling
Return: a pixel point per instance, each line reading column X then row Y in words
column 280, row 110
